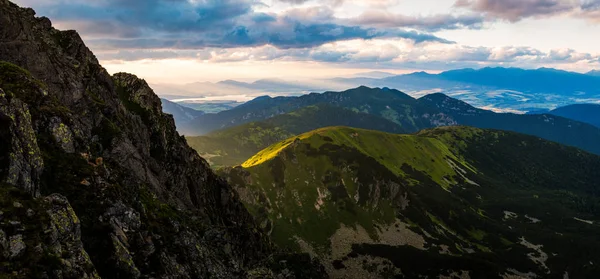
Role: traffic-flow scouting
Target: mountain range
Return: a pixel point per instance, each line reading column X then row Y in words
column 388, row 103
column 543, row 80
column 455, row 201
column 502, row 89
column 230, row 133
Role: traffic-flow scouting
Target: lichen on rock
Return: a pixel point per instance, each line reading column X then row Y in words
column 62, row 135
column 16, row 246
column 25, row 164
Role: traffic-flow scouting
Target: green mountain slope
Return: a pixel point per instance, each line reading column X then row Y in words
column 587, row 113
column 410, row 114
column 453, row 200
column 233, row 146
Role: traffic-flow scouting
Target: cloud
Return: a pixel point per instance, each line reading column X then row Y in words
column 221, row 31
column 511, row 54
column 590, row 10
column 569, row 55
column 187, row 24
column 295, row 2
column 142, row 54
column 326, row 2
column 430, row 23
column 292, row 35
column 378, row 53
column 516, row 10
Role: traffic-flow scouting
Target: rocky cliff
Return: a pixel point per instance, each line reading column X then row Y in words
column 96, row 182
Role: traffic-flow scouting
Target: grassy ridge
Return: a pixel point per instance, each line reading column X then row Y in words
column 297, row 172
column 483, row 195
column 233, row 146
column 390, row 150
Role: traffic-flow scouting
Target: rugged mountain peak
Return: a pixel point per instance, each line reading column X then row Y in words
column 93, row 158
column 139, row 92
column 376, row 90
column 60, row 59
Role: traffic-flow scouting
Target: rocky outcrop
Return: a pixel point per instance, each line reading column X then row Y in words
column 23, row 162
column 41, row 238
column 134, row 201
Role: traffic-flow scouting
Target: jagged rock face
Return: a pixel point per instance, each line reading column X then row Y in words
column 23, row 162
column 142, row 203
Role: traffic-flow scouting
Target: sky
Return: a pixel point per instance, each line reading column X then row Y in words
column 183, row 41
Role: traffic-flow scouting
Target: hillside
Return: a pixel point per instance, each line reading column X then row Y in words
column 390, row 104
column 587, row 113
column 453, row 201
column 555, row 128
column 180, row 113
column 410, row 114
column 96, row 182
column 233, row 146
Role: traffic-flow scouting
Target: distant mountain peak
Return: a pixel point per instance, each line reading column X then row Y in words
column 439, row 98
column 233, row 82
column 269, row 80
column 594, row 73
column 451, row 105
column 260, row 98
column 388, row 90
column 373, row 74
column 438, row 95
column 420, row 74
